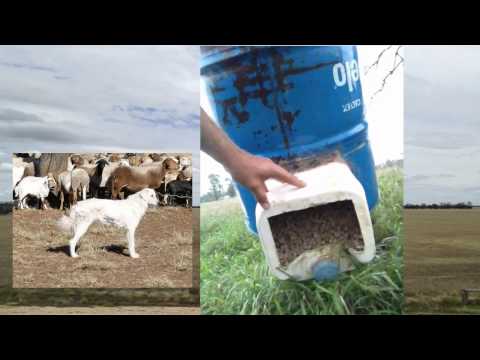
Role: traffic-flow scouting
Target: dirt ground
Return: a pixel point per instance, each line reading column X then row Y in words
column 163, row 241
column 122, row 310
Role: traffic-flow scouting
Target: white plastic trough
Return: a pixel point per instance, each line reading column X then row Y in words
column 325, row 184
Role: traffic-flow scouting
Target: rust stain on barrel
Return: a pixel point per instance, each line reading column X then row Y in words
column 269, row 82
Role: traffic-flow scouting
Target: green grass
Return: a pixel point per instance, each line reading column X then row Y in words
column 235, row 278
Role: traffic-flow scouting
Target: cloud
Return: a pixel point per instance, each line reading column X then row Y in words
column 441, row 124
column 154, row 116
column 474, row 189
column 16, row 125
column 445, row 176
column 10, row 116
column 27, row 66
column 427, row 177
column 7, row 167
column 418, row 178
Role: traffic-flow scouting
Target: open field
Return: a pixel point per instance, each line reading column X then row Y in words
column 442, row 256
column 120, row 310
column 98, row 300
column 163, row 240
column 235, row 278
column 5, row 249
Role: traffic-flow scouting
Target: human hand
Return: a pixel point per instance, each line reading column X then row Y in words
column 249, row 170
column 252, row 171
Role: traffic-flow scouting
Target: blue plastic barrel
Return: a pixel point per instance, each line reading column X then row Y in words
column 289, row 103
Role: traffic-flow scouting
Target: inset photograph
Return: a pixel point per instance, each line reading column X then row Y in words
column 102, row 220
column 302, row 180
column 93, row 109
column 442, row 192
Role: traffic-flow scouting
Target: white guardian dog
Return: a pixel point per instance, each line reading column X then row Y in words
column 120, row 213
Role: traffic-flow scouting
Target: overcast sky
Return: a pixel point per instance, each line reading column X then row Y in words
column 441, row 124
column 98, row 98
column 384, row 112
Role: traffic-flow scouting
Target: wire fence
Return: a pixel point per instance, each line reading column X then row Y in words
column 169, row 196
column 7, row 207
column 178, row 196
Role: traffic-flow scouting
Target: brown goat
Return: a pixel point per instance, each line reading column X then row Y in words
column 158, row 157
column 136, row 179
column 161, row 157
column 134, row 160
column 77, row 160
column 170, row 164
column 115, row 158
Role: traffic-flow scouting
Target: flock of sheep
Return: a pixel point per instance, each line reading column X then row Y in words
column 55, row 179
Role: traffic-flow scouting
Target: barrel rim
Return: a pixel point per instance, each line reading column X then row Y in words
column 216, row 54
column 212, row 54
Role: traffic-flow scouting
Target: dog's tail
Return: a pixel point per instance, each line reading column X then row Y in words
column 65, row 224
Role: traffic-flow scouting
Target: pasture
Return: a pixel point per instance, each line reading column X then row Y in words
column 5, row 249
column 235, row 278
column 98, row 301
column 41, row 256
column 442, row 256
column 118, row 310
column 59, row 180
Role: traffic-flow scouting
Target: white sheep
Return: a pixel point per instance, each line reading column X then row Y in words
column 146, row 160
column 33, row 186
column 185, row 161
column 71, row 183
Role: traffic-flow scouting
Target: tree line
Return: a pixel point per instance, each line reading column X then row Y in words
column 442, row 205
column 6, row 208
column 217, row 189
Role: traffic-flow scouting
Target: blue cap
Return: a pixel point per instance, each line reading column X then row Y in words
column 325, row 270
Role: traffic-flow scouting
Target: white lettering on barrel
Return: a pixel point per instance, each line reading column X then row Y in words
column 339, row 74
column 347, row 73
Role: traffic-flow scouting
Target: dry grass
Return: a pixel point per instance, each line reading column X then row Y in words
column 98, row 310
column 163, row 240
column 442, row 256
column 5, row 249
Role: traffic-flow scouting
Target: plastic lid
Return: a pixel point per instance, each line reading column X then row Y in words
column 326, row 270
